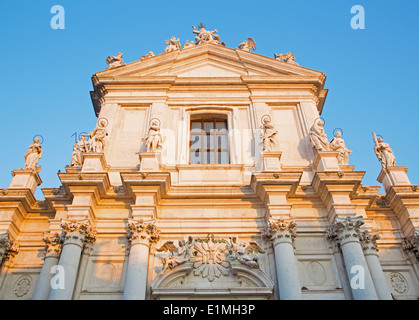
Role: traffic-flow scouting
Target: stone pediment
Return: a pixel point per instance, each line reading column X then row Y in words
column 208, row 60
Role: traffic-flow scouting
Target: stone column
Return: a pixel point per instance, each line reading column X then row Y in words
column 369, row 245
column 142, row 235
column 76, row 233
column 346, row 231
column 282, row 234
column 53, row 245
column 87, row 251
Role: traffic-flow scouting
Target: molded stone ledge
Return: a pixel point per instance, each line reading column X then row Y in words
column 211, row 174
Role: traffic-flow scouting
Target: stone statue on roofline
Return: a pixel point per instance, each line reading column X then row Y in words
column 205, row 36
column 287, row 57
column 173, row 44
column 79, row 147
column 33, row 155
column 383, row 152
column 338, row 144
column 318, row 137
column 96, row 143
column 115, row 61
column 247, row 45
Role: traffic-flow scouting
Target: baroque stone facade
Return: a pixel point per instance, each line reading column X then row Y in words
column 209, row 174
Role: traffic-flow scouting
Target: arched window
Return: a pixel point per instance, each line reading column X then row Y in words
column 209, row 140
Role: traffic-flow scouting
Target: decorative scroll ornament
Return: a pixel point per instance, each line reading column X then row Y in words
column 115, row 61
column 399, row 283
column 22, row 286
column 287, row 57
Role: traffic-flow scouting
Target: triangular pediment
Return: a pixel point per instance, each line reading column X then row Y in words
column 208, row 60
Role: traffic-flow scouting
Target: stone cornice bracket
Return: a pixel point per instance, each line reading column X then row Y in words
column 143, row 232
column 369, row 242
column 78, row 232
column 53, row 245
column 345, row 229
column 8, row 249
column 280, row 230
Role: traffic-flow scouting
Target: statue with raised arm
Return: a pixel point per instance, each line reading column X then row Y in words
column 268, row 134
column 153, row 139
column 173, row 45
column 318, row 137
column 33, row 155
column 177, row 255
column 247, row 45
column 383, row 152
column 338, row 144
column 116, row 61
column 205, row 36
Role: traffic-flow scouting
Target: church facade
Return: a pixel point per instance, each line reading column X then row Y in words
column 209, row 176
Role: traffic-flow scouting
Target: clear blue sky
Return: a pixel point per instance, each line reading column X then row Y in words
column 46, row 73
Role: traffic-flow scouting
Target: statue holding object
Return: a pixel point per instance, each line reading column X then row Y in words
column 383, row 152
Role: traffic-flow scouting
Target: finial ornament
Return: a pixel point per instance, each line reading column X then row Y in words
column 115, row 61
column 247, row 45
column 383, row 152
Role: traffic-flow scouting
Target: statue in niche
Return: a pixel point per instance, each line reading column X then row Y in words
column 178, row 255
column 205, row 36
column 78, row 148
column 268, row 135
column 318, row 137
column 116, row 61
column 173, row 45
column 247, row 45
column 244, row 253
column 383, row 152
column 153, row 139
column 338, row 144
column 188, row 44
column 287, row 57
column 33, row 155
column 96, row 143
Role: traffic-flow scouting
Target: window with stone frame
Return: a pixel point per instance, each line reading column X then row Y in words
column 209, row 141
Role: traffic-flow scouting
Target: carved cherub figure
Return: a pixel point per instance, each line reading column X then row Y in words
column 188, row 44
column 247, row 45
column 177, row 255
column 33, row 155
column 245, row 253
column 287, row 57
column 148, row 55
column 173, row 45
column 116, row 61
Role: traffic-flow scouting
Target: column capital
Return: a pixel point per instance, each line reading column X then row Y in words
column 345, row 229
column 280, row 230
column 77, row 231
column 142, row 232
column 53, row 245
column 369, row 242
column 411, row 244
column 8, row 248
